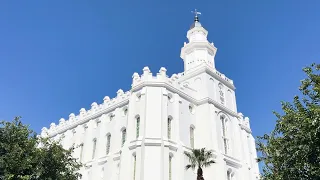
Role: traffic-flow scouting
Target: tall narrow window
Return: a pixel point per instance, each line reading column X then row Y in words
column 94, row 148
column 111, row 117
column 134, row 166
column 224, row 134
column 102, row 173
column 124, row 134
column 108, row 143
column 192, row 137
column 81, row 152
column 169, row 128
column 98, row 123
column 125, row 111
column 170, row 167
column 138, row 127
column 228, row 175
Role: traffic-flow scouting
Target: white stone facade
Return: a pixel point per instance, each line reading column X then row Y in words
column 142, row 134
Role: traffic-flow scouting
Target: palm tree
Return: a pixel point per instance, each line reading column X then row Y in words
column 199, row 158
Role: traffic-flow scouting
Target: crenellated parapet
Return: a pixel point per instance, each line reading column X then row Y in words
column 86, row 115
column 161, row 77
column 244, row 122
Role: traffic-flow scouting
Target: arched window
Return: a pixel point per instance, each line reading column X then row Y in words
column 192, row 108
column 137, row 126
column 192, row 137
column 94, row 148
column 170, row 167
column 134, row 166
column 125, row 111
column 228, row 175
column 73, row 132
column 108, row 143
column 169, row 127
column 224, row 134
column 111, row 117
column 81, row 152
column 124, row 134
column 98, row 121
column 102, row 173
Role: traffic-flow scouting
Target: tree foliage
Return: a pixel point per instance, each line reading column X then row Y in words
column 292, row 149
column 24, row 156
column 199, row 158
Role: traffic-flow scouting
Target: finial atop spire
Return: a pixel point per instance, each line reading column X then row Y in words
column 196, row 22
column 196, row 13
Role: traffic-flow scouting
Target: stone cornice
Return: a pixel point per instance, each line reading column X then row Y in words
column 184, row 95
column 198, row 45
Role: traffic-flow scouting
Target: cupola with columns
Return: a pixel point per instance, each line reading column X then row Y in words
column 198, row 50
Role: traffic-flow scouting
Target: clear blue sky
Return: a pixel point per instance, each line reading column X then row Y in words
column 59, row 56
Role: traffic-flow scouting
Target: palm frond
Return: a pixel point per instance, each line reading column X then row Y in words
column 199, row 157
column 192, row 166
column 192, row 159
column 208, row 163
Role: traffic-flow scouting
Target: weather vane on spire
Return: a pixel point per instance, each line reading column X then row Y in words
column 196, row 13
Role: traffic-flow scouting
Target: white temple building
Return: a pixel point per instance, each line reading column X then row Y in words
column 142, row 134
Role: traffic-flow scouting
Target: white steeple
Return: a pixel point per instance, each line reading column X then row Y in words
column 198, row 50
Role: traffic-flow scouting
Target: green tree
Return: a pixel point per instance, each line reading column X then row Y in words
column 199, row 158
column 292, row 149
column 24, row 156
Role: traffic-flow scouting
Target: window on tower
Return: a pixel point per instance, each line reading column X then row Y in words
column 94, row 148
column 169, row 127
column 192, row 137
column 170, row 167
column 137, row 127
column 224, row 134
column 124, row 134
column 229, row 175
column 134, row 166
column 111, row 117
column 125, row 111
column 108, row 143
column 81, row 152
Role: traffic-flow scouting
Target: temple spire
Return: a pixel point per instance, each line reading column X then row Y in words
column 198, row 50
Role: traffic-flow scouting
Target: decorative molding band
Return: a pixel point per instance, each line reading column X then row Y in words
column 213, row 72
column 232, row 161
column 184, row 95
